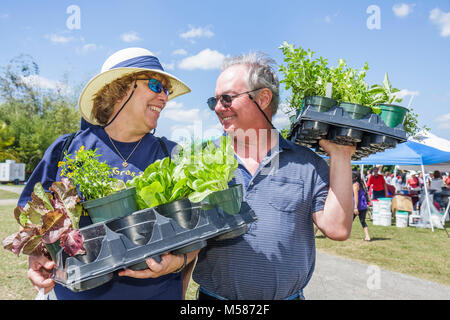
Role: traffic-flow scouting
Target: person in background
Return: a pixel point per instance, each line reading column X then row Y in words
column 413, row 182
column 360, row 199
column 435, row 186
column 447, row 180
column 378, row 185
column 387, row 177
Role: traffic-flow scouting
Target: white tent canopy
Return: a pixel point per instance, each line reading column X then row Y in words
column 431, row 140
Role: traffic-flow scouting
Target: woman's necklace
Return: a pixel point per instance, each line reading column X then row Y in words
column 125, row 161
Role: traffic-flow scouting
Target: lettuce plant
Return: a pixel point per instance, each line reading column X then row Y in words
column 46, row 219
column 195, row 172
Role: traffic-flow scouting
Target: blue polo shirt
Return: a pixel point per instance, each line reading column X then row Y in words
column 148, row 151
column 276, row 257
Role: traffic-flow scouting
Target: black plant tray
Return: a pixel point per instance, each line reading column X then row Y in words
column 370, row 134
column 152, row 235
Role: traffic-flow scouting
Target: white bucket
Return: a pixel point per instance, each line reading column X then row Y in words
column 401, row 219
column 382, row 215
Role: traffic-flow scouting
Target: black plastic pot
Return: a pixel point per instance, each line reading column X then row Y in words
column 355, row 111
column 319, row 103
column 53, row 249
column 136, row 227
column 229, row 200
column 93, row 236
column 187, row 215
column 239, row 231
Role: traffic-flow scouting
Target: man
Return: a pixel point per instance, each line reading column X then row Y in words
column 378, row 184
column 288, row 187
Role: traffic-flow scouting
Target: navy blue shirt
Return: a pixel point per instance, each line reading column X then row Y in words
column 276, row 257
column 148, row 151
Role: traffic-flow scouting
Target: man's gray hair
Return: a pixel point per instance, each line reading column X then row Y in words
column 260, row 74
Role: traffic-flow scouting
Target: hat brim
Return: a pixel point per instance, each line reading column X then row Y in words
column 86, row 100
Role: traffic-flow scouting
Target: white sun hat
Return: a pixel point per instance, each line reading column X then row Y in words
column 119, row 64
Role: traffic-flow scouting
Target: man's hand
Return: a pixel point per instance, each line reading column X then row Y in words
column 39, row 271
column 169, row 263
column 334, row 149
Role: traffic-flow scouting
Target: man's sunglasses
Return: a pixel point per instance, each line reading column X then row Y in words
column 225, row 99
column 156, row 86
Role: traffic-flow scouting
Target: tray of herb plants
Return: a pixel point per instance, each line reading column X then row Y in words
column 336, row 103
column 179, row 205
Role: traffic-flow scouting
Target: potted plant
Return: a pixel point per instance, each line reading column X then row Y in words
column 48, row 222
column 307, row 77
column 385, row 97
column 105, row 197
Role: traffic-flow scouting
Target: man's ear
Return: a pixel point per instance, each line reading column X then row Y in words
column 264, row 98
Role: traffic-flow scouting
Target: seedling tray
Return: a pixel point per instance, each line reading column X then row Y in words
column 127, row 242
column 370, row 134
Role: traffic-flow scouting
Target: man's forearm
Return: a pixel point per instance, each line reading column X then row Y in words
column 338, row 210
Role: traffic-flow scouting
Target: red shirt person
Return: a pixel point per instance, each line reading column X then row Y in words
column 413, row 182
column 378, row 184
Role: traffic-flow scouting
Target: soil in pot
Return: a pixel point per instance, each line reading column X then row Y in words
column 116, row 205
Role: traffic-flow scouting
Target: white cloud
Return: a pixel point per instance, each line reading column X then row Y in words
column 179, row 52
column 4, row 15
column 405, row 92
column 206, row 60
column 175, row 111
column 37, row 81
column 444, row 121
column 402, row 10
column 58, row 38
column 88, row 47
column 130, row 37
column 442, row 19
column 197, row 33
column 168, row 66
column 281, row 120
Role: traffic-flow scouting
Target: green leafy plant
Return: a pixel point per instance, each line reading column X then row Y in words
column 49, row 217
column 303, row 75
column 93, row 178
column 195, row 172
column 385, row 93
column 159, row 184
column 210, row 170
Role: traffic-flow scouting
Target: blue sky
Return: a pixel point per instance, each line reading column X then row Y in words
column 411, row 43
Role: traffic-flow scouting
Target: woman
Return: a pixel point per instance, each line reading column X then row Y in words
column 360, row 202
column 122, row 106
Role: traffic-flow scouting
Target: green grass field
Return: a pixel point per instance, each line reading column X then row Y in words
column 416, row 252
column 7, row 195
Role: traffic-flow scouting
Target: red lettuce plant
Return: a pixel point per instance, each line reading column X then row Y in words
column 47, row 218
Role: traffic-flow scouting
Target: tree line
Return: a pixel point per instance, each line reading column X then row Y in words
column 32, row 117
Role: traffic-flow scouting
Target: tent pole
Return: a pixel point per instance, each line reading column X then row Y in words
column 428, row 200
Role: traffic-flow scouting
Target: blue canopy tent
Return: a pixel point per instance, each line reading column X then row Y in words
column 409, row 153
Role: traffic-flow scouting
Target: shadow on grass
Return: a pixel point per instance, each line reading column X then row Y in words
column 379, row 239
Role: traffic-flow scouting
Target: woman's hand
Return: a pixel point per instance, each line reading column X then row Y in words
column 355, row 211
column 39, row 271
column 169, row 263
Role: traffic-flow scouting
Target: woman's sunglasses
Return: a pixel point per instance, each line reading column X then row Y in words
column 156, row 86
column 225, row 99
